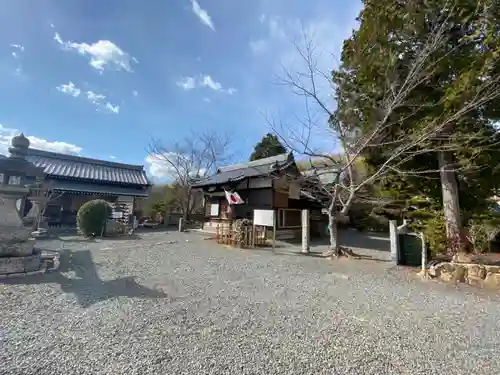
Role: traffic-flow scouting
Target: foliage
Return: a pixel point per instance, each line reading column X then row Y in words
column 482, row 231
column 92, row 216
column 457, row 86
column 379, row 53
column 268, row 146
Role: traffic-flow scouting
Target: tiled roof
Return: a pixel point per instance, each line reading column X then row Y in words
column 257, row 168
column 326, row 175
column 70, row 166
column 75, row 186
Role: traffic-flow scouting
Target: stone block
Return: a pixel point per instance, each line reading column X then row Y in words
column 460, row 274
column 477, row 271
column 15, row 248
column 492, row 280
column 20, row 264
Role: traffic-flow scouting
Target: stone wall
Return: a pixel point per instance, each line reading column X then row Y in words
column 473, row 274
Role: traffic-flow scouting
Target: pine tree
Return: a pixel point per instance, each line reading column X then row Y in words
column 393, row 33
column 270, row 145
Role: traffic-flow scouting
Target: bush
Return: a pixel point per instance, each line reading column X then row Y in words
column 482, row 230
column 92, row 216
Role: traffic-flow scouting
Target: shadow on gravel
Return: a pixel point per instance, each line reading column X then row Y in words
column 360, row 240
column 85, row 282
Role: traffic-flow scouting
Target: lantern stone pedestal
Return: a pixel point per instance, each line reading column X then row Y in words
column 17, row 248
column 18, row 254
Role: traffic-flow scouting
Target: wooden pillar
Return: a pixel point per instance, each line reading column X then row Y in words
column 393, row 236
column 306, row 242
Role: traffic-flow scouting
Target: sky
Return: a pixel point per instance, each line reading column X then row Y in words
column 102, row 78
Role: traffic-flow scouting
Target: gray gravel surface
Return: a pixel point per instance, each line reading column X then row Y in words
column 177, row 304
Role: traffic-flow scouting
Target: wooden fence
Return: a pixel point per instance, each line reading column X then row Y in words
column 246, row 238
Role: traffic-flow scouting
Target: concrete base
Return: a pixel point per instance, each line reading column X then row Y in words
column 16, row 248
column 15, row 264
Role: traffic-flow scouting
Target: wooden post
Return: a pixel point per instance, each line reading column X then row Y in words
column 393, row 235
column 424, row 273
column 274, row 230
column 253, row 236
column 305, row 231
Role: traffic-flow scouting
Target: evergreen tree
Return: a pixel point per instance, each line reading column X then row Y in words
column 376, row 61
column 270, row 145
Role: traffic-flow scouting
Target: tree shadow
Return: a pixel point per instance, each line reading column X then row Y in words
column 80, row 239
column 86, row 285
column 360, row 240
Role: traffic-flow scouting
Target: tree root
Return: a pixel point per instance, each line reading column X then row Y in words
column 343, row 251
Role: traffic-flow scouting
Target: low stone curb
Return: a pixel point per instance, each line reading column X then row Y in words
column 46, row 258
column 20, row 274
column 469, row 273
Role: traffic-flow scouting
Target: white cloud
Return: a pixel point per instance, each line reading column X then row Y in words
column 6, row 135
column 159, row 166
column 102, row 54
column 202, row 14
column 17, row 49
column 112, row 157
column 189, row 83
column 135, row 93
column 70, row 89
column 99, row 100
column 94, row 97
column 113, row 108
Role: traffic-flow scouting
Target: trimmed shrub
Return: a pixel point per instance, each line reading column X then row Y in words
column 92, row 216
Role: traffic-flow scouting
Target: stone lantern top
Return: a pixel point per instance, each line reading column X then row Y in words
column 15, row 169
column 20, row 145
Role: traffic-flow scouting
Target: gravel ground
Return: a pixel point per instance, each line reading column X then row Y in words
column 147, row 306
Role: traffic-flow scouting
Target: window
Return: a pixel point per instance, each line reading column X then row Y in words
column 214, row 209
column 14, row 180
column 289, row 218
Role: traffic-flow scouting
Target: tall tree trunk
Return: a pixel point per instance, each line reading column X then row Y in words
column 333, row 230
column 451, row 204
column 333, row 225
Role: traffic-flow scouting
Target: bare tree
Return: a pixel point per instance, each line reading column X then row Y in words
column 341, row 188
column 189, row 160
column 43, row 193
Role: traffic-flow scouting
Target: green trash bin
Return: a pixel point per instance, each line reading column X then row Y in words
column 410, row 250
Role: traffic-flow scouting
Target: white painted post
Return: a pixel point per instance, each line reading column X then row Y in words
column 424, row 273
column 305, row 231
column 274, row 228
column 393, row 236
column 181, row 225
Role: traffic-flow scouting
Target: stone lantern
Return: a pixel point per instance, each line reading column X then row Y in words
column 17, row 248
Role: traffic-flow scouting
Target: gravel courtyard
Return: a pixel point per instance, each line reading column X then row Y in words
column 174, row 303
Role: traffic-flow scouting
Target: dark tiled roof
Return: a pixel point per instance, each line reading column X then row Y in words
column 82, row 187
column 326, row 175
column 70, row 166
column 257, row 168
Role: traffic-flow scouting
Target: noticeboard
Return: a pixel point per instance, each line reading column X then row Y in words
column 263, row 217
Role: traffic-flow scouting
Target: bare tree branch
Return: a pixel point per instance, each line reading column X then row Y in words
column 188, row 161
column 339, row 192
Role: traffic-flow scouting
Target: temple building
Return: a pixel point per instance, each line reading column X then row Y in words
column 75, row 180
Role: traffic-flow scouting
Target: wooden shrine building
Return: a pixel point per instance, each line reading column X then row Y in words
column 269, row 183
column 76, row 180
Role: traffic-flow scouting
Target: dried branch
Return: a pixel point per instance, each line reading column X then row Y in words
column 193, row 158
column 430, row 137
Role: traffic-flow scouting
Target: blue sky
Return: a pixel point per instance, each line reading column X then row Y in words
column 100, row 78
